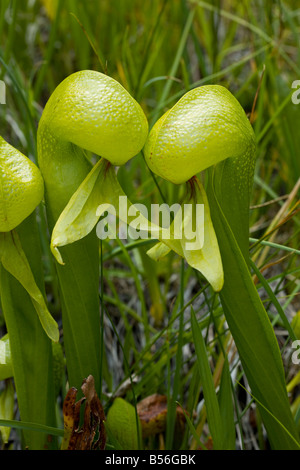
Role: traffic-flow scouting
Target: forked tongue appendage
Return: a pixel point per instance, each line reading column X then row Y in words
column 203, row 253
column 81, row 213
column 100, row 192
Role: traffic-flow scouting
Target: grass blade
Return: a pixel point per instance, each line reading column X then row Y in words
column 226, row 408
column 211, row 401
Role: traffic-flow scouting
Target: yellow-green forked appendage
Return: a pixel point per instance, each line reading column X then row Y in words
column 21, row 191
column 206, row 126
column 90, row 111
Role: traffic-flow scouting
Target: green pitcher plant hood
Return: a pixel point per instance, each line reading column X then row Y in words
column 94, row 112
column 21, row 191
column 90, row 111
column 206, row 126
column 21, row 187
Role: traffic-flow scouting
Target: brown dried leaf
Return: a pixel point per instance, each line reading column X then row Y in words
column 83, row 438
column 69, row 416
column 152, row 412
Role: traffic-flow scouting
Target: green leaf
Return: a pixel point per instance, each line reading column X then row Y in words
column 247, row 319
column 122, row 424
column 210, row 397
column 15, row 262
column 79, row 295
column 30, row 346
column 226, row 409
column 24, row 425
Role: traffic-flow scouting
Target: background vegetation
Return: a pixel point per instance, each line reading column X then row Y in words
column 158, row 50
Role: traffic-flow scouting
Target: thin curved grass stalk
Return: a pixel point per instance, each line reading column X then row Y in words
column 28, row 321
column 89, row 111
column 208, row 128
